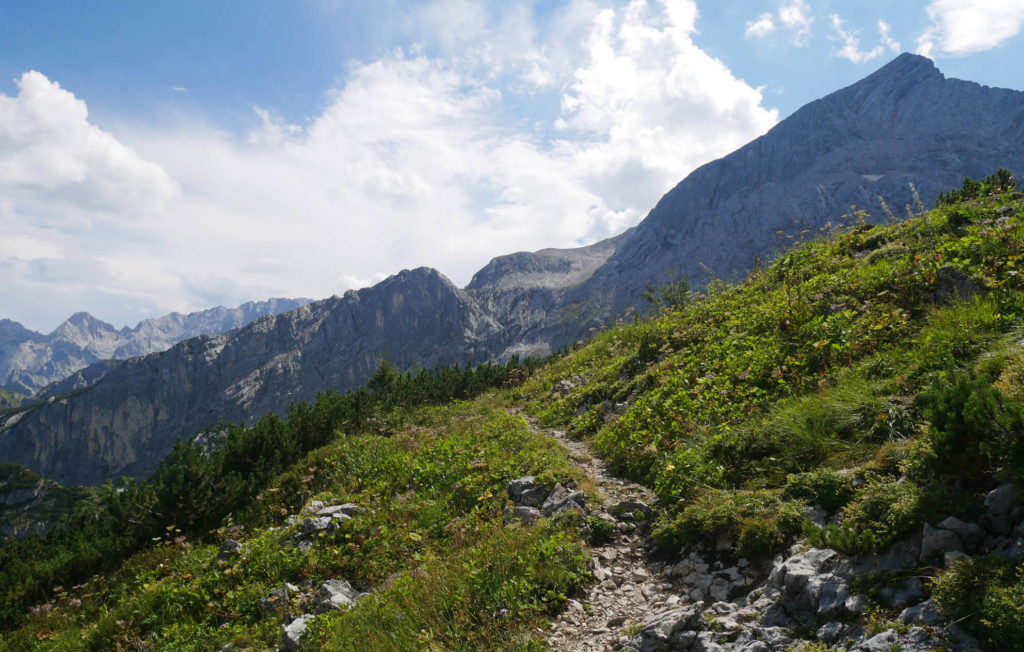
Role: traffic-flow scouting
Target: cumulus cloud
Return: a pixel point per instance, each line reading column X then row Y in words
column 48, row 145
column 761, row 26
column 849, row 40
column 964, row 26
column 413, row 160
column 794, row 16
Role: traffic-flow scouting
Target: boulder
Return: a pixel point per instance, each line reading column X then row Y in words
column 346, row 510
column 525, row 491
column 936, row 543
column 674, row 629
column 312, row 526
column 971, row 534
column 230, row 548
column 561, row 500
column 954, row 284
column 291, row 638
column 1000, row 504
column 926, row 613
column 336, row 594
column 522, row 514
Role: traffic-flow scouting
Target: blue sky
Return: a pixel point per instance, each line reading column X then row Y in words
column 165, row 156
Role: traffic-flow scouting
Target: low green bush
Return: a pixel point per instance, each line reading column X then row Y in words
column 756, row 523
column 824, row 487
column 985, row 595
column 885, row 506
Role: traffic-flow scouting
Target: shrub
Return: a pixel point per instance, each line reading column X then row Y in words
column 973, row 429
column 843, row 538
column 886, row 507
column 986, row 596
column 823, row 487
column 757, row 523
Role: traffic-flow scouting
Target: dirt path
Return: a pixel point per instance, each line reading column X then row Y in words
column 631, row 585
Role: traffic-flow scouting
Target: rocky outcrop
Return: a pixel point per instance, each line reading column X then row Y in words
column 30, row 504
column 29, row 360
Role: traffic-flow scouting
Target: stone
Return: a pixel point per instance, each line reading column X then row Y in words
column 910, row 592
column 669, row 628
column 525, row 491
column 925, row 613
column 629, row 508
column 274, row 602
column 228, row 550
column 902, row 554
column 521, row 514
column 999, row 508
column 830, row 631
column 1002, row 499
column 935, row 543
column 952, row 557
column 561, row 499
column 970, row 534
column 954, row 284
column 335, row 594
column 291, row 638
column 312, row 526
column 346, row 510
column 313, row 507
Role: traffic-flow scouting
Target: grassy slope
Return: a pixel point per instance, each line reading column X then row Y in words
column 739, row 410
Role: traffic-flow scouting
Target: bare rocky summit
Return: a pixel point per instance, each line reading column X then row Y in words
column 30, row 361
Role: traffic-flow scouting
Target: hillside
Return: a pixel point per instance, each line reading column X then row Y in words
column 825, row 456
column 29, row 361
column 904, row 123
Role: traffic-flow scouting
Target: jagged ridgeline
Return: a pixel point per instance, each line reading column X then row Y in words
column 871, row 378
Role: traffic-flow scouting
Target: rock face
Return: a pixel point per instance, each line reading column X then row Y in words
column 126, row 423
column 30, row 360
column 904, row 123
column 30, row 504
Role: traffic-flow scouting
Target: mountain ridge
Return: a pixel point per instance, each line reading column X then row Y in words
column 722, row 217
column 30, row 360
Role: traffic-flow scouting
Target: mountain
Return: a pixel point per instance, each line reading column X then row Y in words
column 824, row 456
column 30, row 360
column 905, row 123
column 126, row 423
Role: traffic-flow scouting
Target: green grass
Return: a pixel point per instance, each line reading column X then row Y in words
column 434, row 489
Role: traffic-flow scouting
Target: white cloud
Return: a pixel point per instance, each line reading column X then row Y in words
column 412, row 161
column 885, row 34
column 48, row 146
column 796, row 15
column 850, row 42
column 761, row 26
column 964, row 26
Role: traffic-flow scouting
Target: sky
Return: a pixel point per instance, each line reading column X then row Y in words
column 177, row 155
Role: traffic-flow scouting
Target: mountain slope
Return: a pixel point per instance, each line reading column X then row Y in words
column 905, row 123
column 127, row 423
column 872, row 380
column 29, row 360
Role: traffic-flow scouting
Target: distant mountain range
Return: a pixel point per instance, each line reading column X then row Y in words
column 30, row 361
column 905, row 123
